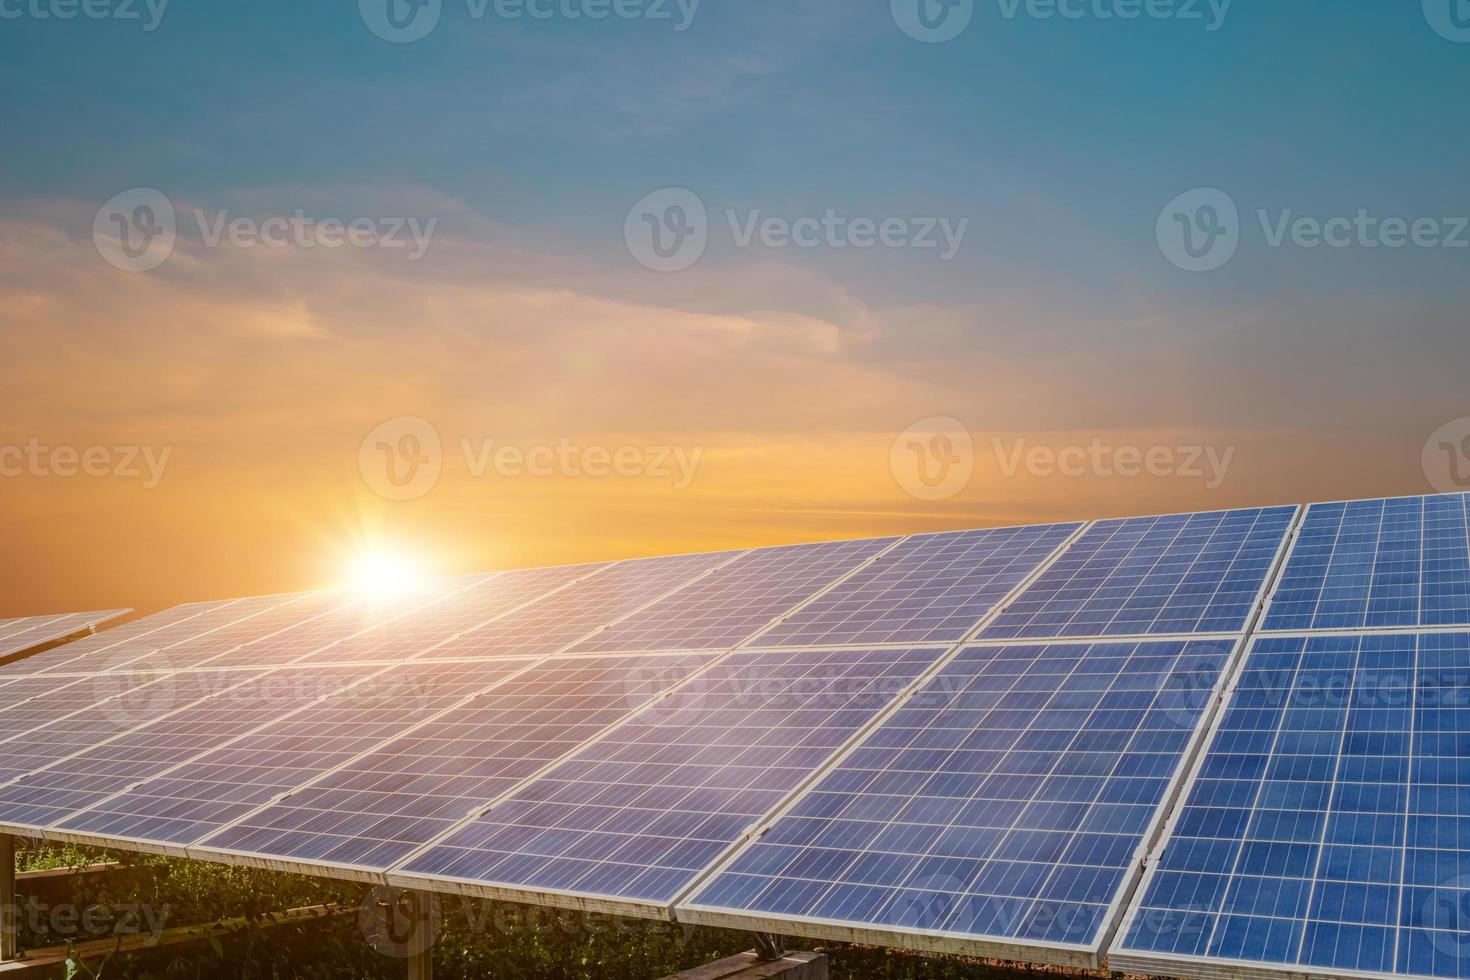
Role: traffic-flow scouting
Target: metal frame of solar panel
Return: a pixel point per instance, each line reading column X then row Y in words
column 1360, row 893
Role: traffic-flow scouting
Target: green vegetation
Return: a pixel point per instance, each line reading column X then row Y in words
column 480, row 940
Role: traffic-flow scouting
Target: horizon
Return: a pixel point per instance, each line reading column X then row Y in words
column 286, row 286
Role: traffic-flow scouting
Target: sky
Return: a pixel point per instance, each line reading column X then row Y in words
column 524, row 282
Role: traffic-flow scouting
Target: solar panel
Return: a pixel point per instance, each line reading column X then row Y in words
column 1153, row 576
column 933, row 588
column 1377, row 564
column 635, row 816
column 121, row 644
column 314, row 636
column 66, row 769
column 1327, row 828
column 738, row 600
column 559, row 620
column 253, row 620
column 200, row 765
column 437, row 627
column 20, row 635
column 379, row 807
column 75, row 715
column 1001, row 811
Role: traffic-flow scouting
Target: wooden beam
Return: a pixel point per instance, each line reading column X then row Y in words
column 749, row 966
column 420, row 908
column 9, row 907
column 46, row 962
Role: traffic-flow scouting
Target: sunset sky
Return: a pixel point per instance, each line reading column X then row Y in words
column 243, row 401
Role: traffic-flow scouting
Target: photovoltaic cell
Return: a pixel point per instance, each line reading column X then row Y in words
column 1328, row 826
column 214, row 783
column 931, row 588
column 1006, row 802
column 738, row 600
column 1378, row 563
column 61, row 781
column 1147, row 576
column 379, row 808
column 557, row 621
column 19, row 635
column 639, row 813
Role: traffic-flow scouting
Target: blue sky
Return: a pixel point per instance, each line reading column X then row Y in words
column 1058, row 141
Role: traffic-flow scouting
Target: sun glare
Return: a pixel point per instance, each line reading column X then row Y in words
column 386, row 575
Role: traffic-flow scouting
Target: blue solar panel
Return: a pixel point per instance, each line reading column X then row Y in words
column 638, row 814
column 931, row 588
column 1378, row 563
column 71, row 772
column 75, row 715
column 572, row 614
column 1007, row 801
column 1150, row 576
column 1328, row 827
column 736, row 601
column 172, row 782
column 379, row 808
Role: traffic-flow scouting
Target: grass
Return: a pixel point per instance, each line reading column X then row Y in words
column 482, row 940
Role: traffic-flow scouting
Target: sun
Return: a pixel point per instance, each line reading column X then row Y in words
column 386, row 575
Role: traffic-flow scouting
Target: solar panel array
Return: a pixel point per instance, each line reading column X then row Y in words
column 929, row 589
column 378, row 809
column 1326, row 827
column 169, row 804
column 1371, row 564
column 737, row 600
column 1151, row 576
column 20, row 635
column 1006, row 800
column 638, row 814
column 965, row 741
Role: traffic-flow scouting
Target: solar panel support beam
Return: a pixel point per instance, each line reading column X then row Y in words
column 769, row 947
column 419, row 907
column 9, row 907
